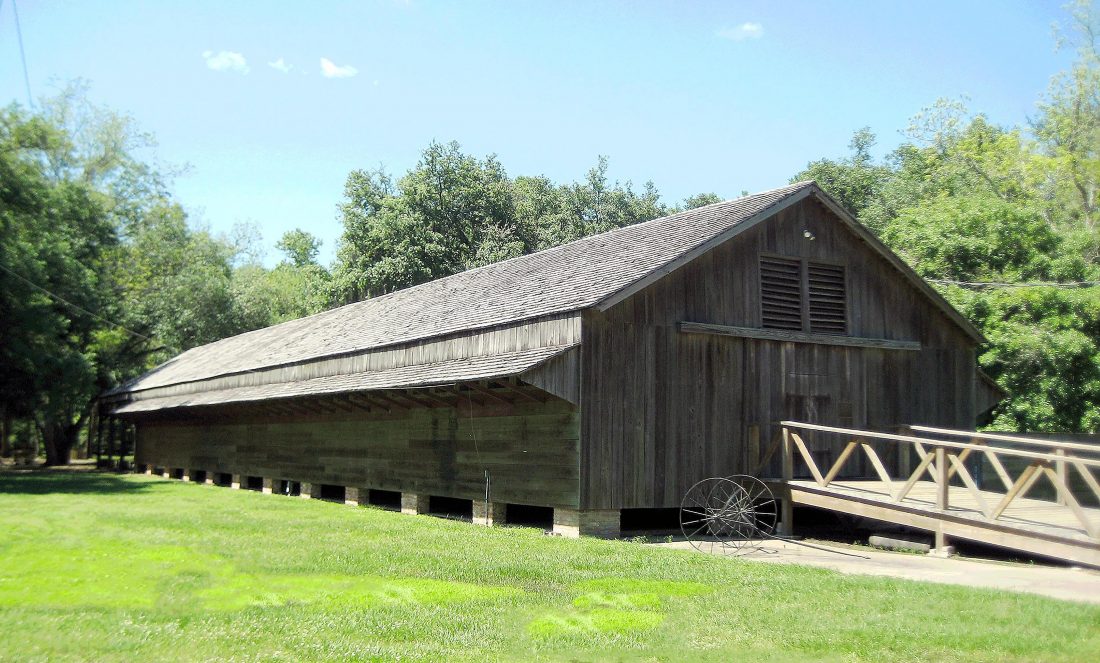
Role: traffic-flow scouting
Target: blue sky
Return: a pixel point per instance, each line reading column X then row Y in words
column 697, row 96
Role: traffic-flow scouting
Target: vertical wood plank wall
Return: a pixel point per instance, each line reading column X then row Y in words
column 662, row 409
column 530, row 449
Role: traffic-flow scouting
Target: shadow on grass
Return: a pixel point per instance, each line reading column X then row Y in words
column 44, row 483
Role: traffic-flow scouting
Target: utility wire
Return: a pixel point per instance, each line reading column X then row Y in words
column 74, row 306
column 1024, row 284
column 22, row 55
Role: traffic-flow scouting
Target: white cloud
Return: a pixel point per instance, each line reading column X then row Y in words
column 226, row 61
column 280, row 65
column 330, row 69
column 742, row 32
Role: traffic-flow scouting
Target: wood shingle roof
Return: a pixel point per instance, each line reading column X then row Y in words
column 596, row 271
column 570, row 277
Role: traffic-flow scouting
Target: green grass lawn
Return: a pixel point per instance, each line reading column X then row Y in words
column 105, row 567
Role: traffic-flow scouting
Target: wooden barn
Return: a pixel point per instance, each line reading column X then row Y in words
column 603, row 375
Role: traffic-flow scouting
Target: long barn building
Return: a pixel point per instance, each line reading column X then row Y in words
column 603, row 375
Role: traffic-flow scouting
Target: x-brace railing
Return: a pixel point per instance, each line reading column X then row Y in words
column 944, row 460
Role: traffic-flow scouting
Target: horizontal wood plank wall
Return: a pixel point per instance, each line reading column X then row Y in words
column 527, row 335
column 662, row 409
column 530, row 449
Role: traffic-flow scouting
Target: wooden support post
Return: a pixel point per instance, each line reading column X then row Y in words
column 1060, row 470
column 414, row 503
column 943, row 490
column 235, row 482
column 112, row 429
column 941, row 549
column 268, row 486
column 905, row 461
column 786, row 521
column 351, row 496
column 126, row 433
column 943, row 480
column 99, row 435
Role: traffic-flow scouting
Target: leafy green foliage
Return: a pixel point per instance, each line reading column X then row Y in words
column 56, row 235
column 131, row 282
column 300, row 247
column 854, row 181
column 966, row 201
column 977, row 238
column 452, row 212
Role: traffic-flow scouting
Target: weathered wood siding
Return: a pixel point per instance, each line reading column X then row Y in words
column 559, row 376
column 530, row 450
column 525, row 335
column 662, row 409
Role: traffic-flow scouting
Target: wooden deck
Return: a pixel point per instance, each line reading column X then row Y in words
column 941, row 494
column 1038, row 527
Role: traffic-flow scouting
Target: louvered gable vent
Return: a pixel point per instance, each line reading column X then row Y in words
column 827, row 298
column 781, row 293
column 803, row 295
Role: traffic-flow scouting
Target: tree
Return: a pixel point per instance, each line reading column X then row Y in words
column 101, row 273
column 453, row 211
column 698, row 200
column 300, row 247
column 427, row 225
column 1068, row 125
column 855, row 181
column 55, row 241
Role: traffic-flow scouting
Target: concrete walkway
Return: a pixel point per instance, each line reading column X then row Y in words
column 1071, row 584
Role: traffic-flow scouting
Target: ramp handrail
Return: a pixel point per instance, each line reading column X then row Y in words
column 1012, row 439
column 944, row 460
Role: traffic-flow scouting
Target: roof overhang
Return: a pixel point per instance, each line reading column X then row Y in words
column 418, row 376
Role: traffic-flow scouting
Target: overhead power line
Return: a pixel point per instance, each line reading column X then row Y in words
column 1022, row 284
column 74, row 306
column 22, row 54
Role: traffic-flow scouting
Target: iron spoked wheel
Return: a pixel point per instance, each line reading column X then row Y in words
column 730, row 515
column 758, row 505
column 697, row 516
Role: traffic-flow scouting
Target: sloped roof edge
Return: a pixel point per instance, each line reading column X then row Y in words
column 861, row 231
column 895, row 260
column 404, row 377
column 556, row 281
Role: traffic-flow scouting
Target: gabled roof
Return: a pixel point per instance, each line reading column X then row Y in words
column 596, row 271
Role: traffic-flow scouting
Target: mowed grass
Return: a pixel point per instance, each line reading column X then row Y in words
column 104, row 567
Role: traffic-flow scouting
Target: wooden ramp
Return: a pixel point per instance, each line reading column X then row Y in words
column 945, row 494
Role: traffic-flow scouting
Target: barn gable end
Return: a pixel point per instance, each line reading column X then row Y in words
column 678, row 386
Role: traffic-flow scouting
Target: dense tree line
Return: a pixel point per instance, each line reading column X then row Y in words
column 453, row 211
column 103, row 274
